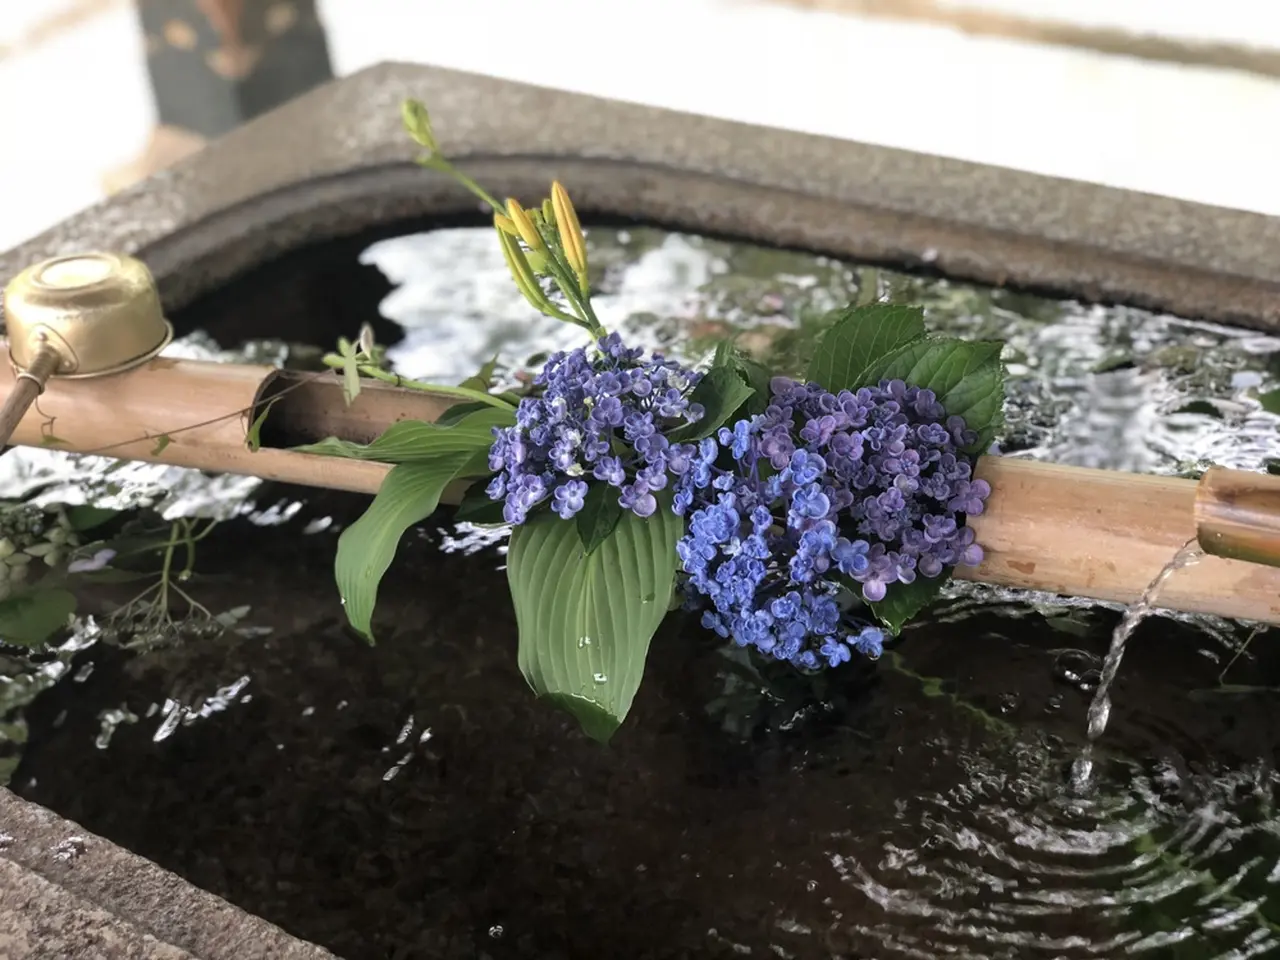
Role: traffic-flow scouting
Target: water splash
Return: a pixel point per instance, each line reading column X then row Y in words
column 1189, row 554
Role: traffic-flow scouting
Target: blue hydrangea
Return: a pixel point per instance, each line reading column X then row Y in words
column 601, row 413
column 821, row 495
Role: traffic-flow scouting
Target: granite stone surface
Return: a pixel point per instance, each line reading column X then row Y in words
column 335, row 162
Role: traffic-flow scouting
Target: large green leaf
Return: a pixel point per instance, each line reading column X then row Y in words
column 585, row 621
column 30, row 618
column 857, row 338
column 409, row 494
column 412, row 441
column 721, row 392
column 966, row 375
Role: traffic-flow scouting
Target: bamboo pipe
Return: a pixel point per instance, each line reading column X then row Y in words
column 1077, row 532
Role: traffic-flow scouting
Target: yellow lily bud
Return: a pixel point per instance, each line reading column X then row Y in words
column 548, row 212
column 526, row 282
column 505, row 224
column 528, row 232
column 571, row 238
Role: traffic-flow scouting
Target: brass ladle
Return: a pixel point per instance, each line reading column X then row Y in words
column 79, row 316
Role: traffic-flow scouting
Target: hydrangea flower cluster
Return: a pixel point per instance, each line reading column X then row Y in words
column 824, row 490
column 602, row 412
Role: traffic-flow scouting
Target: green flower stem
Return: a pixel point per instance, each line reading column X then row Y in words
column 437, row 162
column 462, row 393
column 567, row 281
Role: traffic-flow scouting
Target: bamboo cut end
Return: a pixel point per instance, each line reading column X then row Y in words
column 1237, row 515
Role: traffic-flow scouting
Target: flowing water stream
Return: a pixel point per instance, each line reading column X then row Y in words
column 1188, row 555
column 413, row 800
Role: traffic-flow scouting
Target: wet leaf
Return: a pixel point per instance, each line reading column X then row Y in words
column 31, row 618
column 162, row 442
column 858, row 338
column 721, row 392
column 413, row 441
column 49, row 440
column 966, row 375
column 902, row 601
column 599, row 516
column 1270, row 401
column 409, row 494
column 585, row 622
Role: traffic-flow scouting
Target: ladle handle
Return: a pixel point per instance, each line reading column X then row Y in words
column 30, row 384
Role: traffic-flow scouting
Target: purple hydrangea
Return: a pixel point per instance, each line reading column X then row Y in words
column 602, row 413
column 823, row 492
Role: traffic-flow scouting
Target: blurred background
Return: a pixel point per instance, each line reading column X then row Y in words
column 1164, row 96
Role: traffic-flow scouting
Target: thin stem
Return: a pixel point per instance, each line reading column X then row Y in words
column 163, row 603
column 437, row 162
column 463, row 393
column 195, row 605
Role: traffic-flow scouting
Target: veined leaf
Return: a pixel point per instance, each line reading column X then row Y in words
column 966, row 376
column 902, row 601
column 413, row 441
column 599, row 515
column 857, row 338
column 478, row 508
column 409, row 494
column 721, row 392
column 585, row 621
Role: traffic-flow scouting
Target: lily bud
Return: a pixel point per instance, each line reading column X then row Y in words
column 570, row 231
column 524, row 226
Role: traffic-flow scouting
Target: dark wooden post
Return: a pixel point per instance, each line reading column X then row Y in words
column 214, row 64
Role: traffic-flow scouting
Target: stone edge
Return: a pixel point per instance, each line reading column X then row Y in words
column 335, row 162
column 65, row 891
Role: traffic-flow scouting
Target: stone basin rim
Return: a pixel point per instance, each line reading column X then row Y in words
column 195, row 259
column 336, row 161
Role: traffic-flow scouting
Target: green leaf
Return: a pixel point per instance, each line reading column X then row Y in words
column 966, row 375
column 858, row 338
column 254, row 436
column 753, row 373
column 477, row 507
column 483, row 380
column 162, row 442
column 460, row 411
column 585, row 622
column 599, row 516
column 85, row 516
column 902, row 601
column 1270, row 401
column 409, row 494
column 757, row 377
column 31, row 618
column 350, row 370
column 416, row 441
column 721, row 392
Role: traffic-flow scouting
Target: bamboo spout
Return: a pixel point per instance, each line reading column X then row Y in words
column 1099, row 534
column 1238, row 515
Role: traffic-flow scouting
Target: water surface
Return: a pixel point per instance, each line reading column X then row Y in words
column 413, row 800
